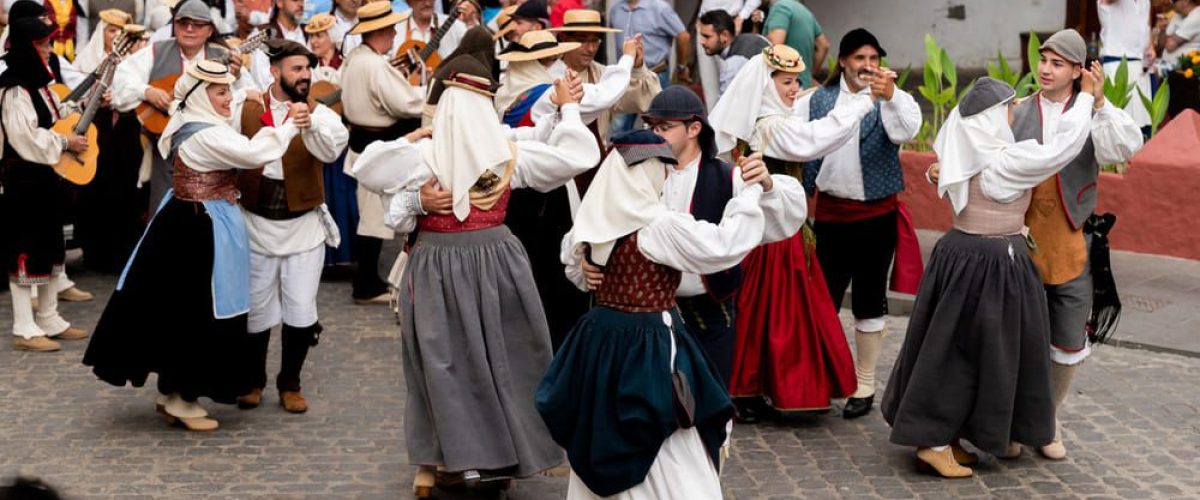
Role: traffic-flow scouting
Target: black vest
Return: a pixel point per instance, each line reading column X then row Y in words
column 714, row 189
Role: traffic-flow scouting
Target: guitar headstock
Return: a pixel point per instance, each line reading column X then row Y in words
column 253, row 42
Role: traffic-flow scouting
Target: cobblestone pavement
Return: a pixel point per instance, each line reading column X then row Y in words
column 1132, row 426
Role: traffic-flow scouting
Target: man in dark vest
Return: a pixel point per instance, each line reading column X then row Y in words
column 702, row 184
column 282, row 206
column 860, row 224
column 1062, row 204
column 195, row 39
column 718, row 38
column 285, row 24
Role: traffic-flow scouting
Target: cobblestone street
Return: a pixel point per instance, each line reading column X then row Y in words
column 1132, row 430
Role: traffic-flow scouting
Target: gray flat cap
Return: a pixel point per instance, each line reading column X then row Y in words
column 1069, row 44
column 986, row 92
column 194, row 9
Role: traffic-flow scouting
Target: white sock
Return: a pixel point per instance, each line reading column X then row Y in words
column 22, row 302
column 868, row 345
column 48, row 318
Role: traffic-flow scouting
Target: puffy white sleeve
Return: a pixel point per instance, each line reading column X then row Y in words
column 643, row 86
column 327, row 137
column 571, row 256
column 679, row 241
column 391, row 92
column 570, row 151
column 784, row 207
column 797, row 139
column 222, row 148
column 1024, row 165
column 32, row 143
column 396, row 169
column 1115, row 135
column 131, row 79
column 603, row 95
column 540, row 131
column 901, row 117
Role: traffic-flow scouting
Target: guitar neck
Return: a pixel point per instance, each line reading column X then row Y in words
column 436, row 39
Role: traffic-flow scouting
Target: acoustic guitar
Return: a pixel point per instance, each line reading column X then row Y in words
column 80, row 169
column 124, row 41
column 415, row 58
column 154, row 120
column 327, row 93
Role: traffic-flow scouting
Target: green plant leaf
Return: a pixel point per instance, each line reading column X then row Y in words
column 1026, row 86
column 902, row 78
column 1034, row 51
column 1161, row 99
column 994, row 72
column 944, row 97
column 933, row 57
column 931, row 80
column 1005, row 69
column 1146, row 103
column 948, row 69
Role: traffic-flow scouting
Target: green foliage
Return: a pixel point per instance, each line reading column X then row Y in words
column 902, row 77
column 1156, row 106
column 1023, row 83
column 1117, row 90
column 940, row 88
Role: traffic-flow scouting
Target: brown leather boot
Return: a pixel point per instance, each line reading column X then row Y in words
column 250, row 400
column 35, row 344
column 942, row 462
column 293, row 401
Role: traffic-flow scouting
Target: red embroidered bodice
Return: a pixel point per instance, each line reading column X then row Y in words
column 476, row 220
column 634, row 284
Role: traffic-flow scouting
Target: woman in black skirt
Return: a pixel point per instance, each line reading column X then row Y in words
column 974, row 364
column 196, row 248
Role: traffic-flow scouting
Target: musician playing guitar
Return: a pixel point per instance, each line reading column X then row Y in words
column 286, row 16
column 195, row 39
column 420, row 28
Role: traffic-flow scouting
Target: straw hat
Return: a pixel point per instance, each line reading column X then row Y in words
column 211, row 72
column 320, row 22
column 134, row 31
column 504, row 21
column 536, row 45
column 115, row 17
column 584, row 21
column 783, row 58
column 376, row 16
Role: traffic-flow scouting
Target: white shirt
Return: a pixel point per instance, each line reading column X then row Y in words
column 325, row 139
column 260, row 64
column 784, row 209
column 1124, row 27
column 1187, row 28
column 841, row 171
column 735, row 8
column 1115, row 136
column 408, row 30
column 133, row 76
column 344, row 39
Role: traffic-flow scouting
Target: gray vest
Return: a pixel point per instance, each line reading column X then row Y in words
column 168, row 60
column 95, row 7
column 1077, row 180
column 748, row 45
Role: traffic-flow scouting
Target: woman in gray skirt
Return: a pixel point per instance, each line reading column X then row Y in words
column 974, row 364
column 474, row 333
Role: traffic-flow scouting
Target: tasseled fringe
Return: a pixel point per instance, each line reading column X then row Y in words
column 1106, row 302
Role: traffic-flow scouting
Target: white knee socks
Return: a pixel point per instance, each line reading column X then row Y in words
column 868, row 346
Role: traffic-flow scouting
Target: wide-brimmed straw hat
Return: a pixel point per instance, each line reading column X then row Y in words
column 376, row 16
column 211, row 72
column 504, row 21
column 783, row 58
column 536, row 45
column 115, row 17
column 320, row 22
column 583, row 21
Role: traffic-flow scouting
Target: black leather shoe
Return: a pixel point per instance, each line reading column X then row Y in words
column 857, row 407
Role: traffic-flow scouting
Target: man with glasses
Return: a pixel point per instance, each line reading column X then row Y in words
column 702, row 184
column 195, row 40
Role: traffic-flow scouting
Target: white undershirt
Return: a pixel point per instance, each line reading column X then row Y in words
column 1124, row 27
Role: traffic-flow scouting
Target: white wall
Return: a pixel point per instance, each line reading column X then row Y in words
column 901, row 25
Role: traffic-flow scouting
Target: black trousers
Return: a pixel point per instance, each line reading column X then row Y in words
column 367, row 283
column 712, row 324
column 860, row 252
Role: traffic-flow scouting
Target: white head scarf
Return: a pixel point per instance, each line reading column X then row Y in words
column 735, row 119
column 467, row 141
column 197, row 108
column 519, row 78
column 90, row 56
column 620, row 200
column 963, row 148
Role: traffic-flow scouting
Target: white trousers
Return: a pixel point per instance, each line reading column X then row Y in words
column 284, row 289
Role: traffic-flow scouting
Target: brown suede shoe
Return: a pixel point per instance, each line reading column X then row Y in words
column 250, row 400
column 941, row 462
column 74, row 294
column 35, row 344
column 962, row 456
column 293, row 401
column 71, row 333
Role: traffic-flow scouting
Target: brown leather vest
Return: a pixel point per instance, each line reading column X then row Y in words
column 303, row 178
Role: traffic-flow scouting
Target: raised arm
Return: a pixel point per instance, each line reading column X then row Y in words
column 327, row 137
column 1115, row 135
column 797, row 139
column 1024, row 165
column 570, row 151
column 131, row 79
column 221, row 148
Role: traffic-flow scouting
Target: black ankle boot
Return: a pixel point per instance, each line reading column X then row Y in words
column 857, row 407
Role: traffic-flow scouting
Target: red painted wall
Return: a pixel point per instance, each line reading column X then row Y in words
column 1157, row 201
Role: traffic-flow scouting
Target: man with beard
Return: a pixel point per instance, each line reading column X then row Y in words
column 285, row 25
column 719, row 40
column 281, row 203
column 345, row 12
column 861, row 225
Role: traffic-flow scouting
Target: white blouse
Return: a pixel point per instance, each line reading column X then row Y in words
column 34, row 144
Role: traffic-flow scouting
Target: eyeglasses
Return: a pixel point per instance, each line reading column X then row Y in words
column 662, row 127
column 190, row 24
